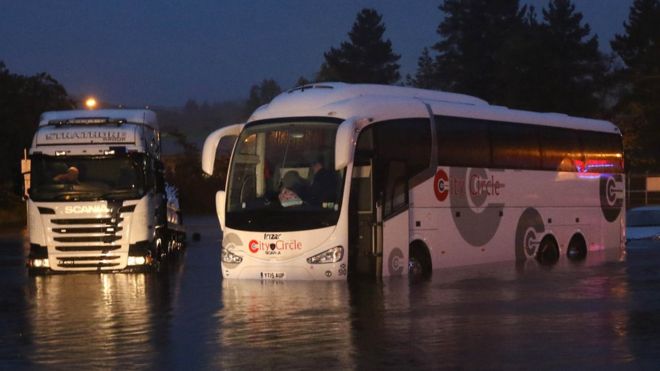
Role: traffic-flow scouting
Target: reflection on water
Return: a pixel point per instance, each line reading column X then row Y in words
column 270, row 324
column 493, row 316
column 105, row 318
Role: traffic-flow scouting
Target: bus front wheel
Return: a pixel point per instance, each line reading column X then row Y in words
column 419, row 262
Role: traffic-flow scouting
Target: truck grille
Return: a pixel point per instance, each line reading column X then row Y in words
column 88, row 261
column 90, row 243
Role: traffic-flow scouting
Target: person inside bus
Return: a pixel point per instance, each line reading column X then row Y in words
column 292, row 189
column 324, row 184
column 70, row 176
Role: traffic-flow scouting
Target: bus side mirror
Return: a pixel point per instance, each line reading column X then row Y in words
column 344, row 144
column 220, row 202
column 211, row 145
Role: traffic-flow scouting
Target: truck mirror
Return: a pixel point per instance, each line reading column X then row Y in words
column 211, row 145
column 344, row 144
column 26, row 169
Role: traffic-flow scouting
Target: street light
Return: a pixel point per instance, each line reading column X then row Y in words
column 90, row 103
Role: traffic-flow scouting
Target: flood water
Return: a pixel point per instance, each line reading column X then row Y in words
column 604, row 315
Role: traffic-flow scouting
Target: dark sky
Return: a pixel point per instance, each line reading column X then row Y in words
column 164, row 52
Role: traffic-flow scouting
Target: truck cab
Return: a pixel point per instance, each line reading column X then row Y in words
column 96, row 197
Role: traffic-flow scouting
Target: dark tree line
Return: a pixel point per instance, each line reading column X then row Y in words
column 508, row 54
column 512, row 55
column 22, row 100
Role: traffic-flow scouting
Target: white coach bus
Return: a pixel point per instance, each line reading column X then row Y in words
column 334, row 178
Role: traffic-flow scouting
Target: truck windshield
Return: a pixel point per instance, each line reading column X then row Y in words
column 283, row 177
column 87, row 178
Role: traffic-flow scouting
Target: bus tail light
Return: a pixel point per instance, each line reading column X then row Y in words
column 331, row 255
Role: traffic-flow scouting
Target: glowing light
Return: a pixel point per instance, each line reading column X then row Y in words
column 90, row 103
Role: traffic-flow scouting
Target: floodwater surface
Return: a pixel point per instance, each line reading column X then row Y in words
column 594, row 315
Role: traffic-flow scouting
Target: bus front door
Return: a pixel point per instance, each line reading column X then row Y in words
column 394, row 220
column 379, row 220
column 362, row 254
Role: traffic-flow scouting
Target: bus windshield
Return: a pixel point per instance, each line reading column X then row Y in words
column 87, row 178
column 283, row 177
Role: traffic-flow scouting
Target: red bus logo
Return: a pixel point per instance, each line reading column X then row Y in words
column 253, row 246
column 441, row 185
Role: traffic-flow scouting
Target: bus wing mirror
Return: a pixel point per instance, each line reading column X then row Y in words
column 220, row 202
column 210, row 148
column 344, row 143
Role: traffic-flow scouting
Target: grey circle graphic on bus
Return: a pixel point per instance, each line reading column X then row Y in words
column 528, row 232
column 231, row 239
column 395, row 262
column 611, row 196
column 468, row 190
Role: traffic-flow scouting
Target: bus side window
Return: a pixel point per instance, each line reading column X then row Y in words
column 515, row 146
column 456, row 135
column 602, row 152
column 403, row 150
column 560, row 149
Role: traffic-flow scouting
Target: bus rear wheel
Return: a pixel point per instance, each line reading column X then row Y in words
column 548, row 251
column 577, row 249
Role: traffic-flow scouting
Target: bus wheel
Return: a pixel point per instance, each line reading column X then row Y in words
column 548, row 251
column 419, row 262
column 577, row 248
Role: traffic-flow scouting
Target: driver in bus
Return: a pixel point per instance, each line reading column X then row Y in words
column 324, row 184
column 70, row 176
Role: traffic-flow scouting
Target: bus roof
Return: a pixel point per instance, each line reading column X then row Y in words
column 135, row 116
column 383, row 102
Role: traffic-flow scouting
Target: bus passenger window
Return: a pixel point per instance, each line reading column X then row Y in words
column 560, row 149
column 462, row 142
column 515, row 146
column 602, row 152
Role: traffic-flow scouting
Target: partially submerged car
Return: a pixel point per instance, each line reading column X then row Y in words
column 643, row 227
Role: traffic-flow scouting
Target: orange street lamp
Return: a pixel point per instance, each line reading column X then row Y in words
column 90, row 103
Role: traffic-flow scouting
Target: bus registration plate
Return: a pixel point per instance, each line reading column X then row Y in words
column 272, row 275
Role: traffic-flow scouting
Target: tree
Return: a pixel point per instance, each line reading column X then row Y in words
column 261, row 94
column 22, row 100
column 367, row 58
column 473, row 33
column 302, row 81
column 572, row 66
column 425, row 77
column 638, row 110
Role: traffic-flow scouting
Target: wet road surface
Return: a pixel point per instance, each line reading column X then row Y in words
column 604, row 315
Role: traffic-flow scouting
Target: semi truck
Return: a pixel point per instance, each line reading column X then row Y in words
column 96, row 195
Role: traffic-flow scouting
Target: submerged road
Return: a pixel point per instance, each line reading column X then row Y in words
column 603, row 315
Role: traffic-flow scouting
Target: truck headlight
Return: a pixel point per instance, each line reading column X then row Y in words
column 40, row 263
column 229, row 257
column 137, row 260
column 331, row 255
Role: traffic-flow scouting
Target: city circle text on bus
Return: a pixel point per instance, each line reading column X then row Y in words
column 477, row 185
column 270, row 246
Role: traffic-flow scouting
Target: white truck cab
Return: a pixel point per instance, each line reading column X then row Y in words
column 95, row 193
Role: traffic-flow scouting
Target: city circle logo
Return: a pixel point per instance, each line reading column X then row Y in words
column 441, row 185
column 396, row 262
column 611, row 196
column 253, row 246
column 528, row 232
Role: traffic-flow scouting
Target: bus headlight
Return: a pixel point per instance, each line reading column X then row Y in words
column 229, row 257
column 331, row 255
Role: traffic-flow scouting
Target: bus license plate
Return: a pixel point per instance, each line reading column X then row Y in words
column 272, row 275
